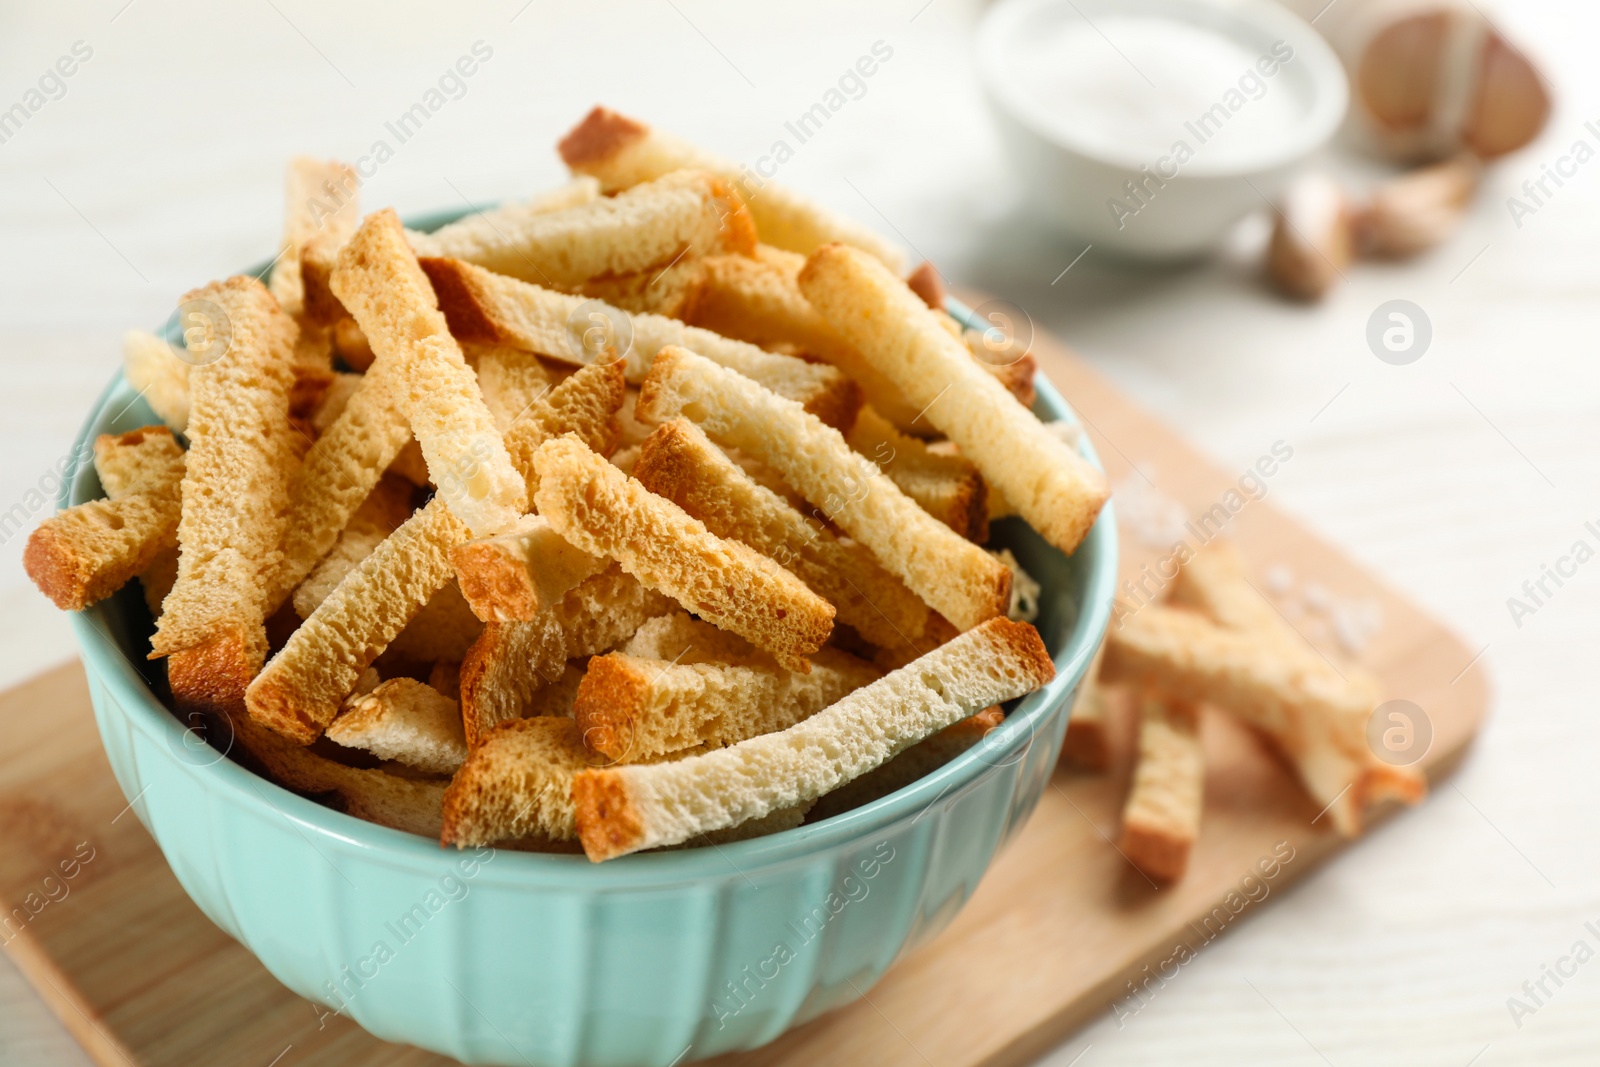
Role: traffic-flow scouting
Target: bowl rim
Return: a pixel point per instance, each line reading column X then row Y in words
column 1330, row 85
column 106, row 662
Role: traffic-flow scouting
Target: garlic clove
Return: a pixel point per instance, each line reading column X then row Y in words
column 1312, row 238
column 1511, row 103
column 1420, row 209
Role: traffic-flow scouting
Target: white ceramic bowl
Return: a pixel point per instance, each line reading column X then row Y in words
column 1077, row 175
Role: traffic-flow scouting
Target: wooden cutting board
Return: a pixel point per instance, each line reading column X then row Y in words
column 1057, row 930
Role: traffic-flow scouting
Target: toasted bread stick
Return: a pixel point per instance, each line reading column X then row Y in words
column 1161, row 816
column 160, row 373
column 483, row 233
column 687, row 214
column 375, row 794
column 517, row 787
column 1055, row 489
column 604, row 512
column 510, row 380
column 445, row 628
column 317, row 259
column 557, row 697
column 1215, row 582
column 87, row 552
column 679, row 462
column 495, row 237
column 371, row 434
column 758, row 299
column 159, row 370
column 378, row 279
column 155, row 371
column 350, row 345
column 682, row 638
column 340, row 472
column 514, row 575
column 406, row 721
column 585, row 404
column 146, row 460
column 914, row 763
column 444, row 678
column 955, row 577
column 511, row 662
column 386, row 507
column 495, row 309
column 410, row 464
column 1318, row 718
column 948, row 487
column 332, row 402
column 630, row 708
column 624, row 809
column 143, row 461
column 1087, row 745
column 517, row 783
column 467, row 237
column 242, row 451
column 321, row 200
column 667, row 291
column 1181, row 651
column 298, row 693
column 622, row 153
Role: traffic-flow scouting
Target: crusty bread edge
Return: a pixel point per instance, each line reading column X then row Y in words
column 1155, row 850
column 598, row 136
column 496, row 589
column 461, row 301
column 609, row 823
column 212, row 677
column 609, row 697
column 475, row 680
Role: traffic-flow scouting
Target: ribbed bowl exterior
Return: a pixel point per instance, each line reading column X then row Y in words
column 498, row 957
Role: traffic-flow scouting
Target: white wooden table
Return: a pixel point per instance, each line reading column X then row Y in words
column 1456, row 477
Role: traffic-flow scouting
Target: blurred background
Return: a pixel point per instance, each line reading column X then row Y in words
column 1457, row 478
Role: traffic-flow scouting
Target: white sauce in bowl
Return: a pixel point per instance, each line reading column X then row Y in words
column 1130, row 86
column 1151, row 127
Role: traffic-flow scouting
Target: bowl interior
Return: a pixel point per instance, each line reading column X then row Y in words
column 1073, row 612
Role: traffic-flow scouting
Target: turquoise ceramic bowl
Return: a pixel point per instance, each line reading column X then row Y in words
column 498, row 957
